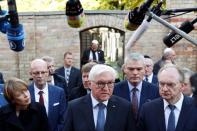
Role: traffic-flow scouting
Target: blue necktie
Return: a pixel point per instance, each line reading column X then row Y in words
column 171, row 119
column 100, row 118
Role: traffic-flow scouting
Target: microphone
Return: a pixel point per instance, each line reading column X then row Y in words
column 74, row 13
column 15, row 32
column 136, row 16
column 173, row 37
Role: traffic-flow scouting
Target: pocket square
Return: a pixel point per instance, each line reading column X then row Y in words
column 55, row 104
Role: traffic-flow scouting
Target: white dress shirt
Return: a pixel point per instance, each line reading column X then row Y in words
column 96, row 109
column 45, row 96
column 177, row 110
column 150, row 78
column 91, row 56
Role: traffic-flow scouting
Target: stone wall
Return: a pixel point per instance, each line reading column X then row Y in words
column 47, row 33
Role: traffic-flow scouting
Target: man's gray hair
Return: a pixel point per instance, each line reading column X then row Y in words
column 134, row 56
column 99, row 69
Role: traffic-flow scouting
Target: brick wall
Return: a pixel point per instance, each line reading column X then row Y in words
column 47, row 33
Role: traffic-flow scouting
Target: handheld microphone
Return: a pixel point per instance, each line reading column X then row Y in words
column 136, row 16
column 174, row 37
column 15, row 32
column 74, row 13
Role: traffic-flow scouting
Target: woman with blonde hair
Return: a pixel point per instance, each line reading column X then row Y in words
column 21, row 114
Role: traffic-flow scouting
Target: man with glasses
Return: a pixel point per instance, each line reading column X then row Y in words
column 52, row 97
column 100, row 110
column 172, row 111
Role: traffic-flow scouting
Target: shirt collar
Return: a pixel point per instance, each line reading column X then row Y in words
column 45, row 89
column 178, row 104
column 139, row 86
column 95, row 102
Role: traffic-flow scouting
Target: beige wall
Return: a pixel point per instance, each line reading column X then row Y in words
column 49, row 34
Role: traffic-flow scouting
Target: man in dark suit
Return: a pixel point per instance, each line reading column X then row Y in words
column 149, row 76
column 93, row 54
column 84, row 88
column 54, row 78
column 173, row 111
column 100, row 110
column 169, row 56
column 71, row 74
column 52, row 97
column 134, row 89
column 1, row 78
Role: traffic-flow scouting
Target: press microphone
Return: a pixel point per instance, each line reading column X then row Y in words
column 15, row 32
column 174, row 37
column 74, row 13
column 135, row 17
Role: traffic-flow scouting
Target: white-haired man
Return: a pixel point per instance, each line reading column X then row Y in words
column 169, row 56
column 93, row 54
column 100, row 110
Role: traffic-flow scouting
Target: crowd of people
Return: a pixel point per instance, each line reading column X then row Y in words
column 152, row 97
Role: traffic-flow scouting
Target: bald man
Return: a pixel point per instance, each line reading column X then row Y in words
column 52, row 97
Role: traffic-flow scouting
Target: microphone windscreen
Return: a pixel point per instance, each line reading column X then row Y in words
column 16, row 37
column 133, row 19
column 74, row 13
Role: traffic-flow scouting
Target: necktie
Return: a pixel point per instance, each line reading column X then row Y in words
column 41, row 99
column 67, row 75
column 100, row 117
column 146, row 78
column 134, row 101
column 94, row 55
column 171, row 119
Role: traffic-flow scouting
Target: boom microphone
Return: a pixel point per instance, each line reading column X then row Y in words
column 136, row 16
column 174, row 37
column 15, row 32
column 74, row 13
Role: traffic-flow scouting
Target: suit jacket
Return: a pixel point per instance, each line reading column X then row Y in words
column 154, row 80
column 148, row 92
column 152, row 116
column 119, row 115
column 77, row 92
column 75, row 78
column 57, row 106
column 86, row 54
column 2, row 98
column 33, row 119
column 1, row 78
column 61, row 82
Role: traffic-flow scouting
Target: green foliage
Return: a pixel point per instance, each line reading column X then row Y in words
column 59, row 5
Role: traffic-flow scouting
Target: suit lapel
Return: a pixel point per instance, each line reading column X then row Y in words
column 111, row 113
column 51, row 97
column 160, row 115
column 88, row 112
column 32, row 93
column 184, row 114
column 144, row 94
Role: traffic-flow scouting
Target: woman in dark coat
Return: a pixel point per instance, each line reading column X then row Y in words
column 21, row 114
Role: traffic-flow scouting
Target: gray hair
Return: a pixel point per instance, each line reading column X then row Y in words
column 48, row 59
column 99, row 69
column 181, row 75
column 134, row 56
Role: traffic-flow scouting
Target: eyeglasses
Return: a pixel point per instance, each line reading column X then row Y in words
column 168, row 85
column 39, row 72
column 102, row 85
